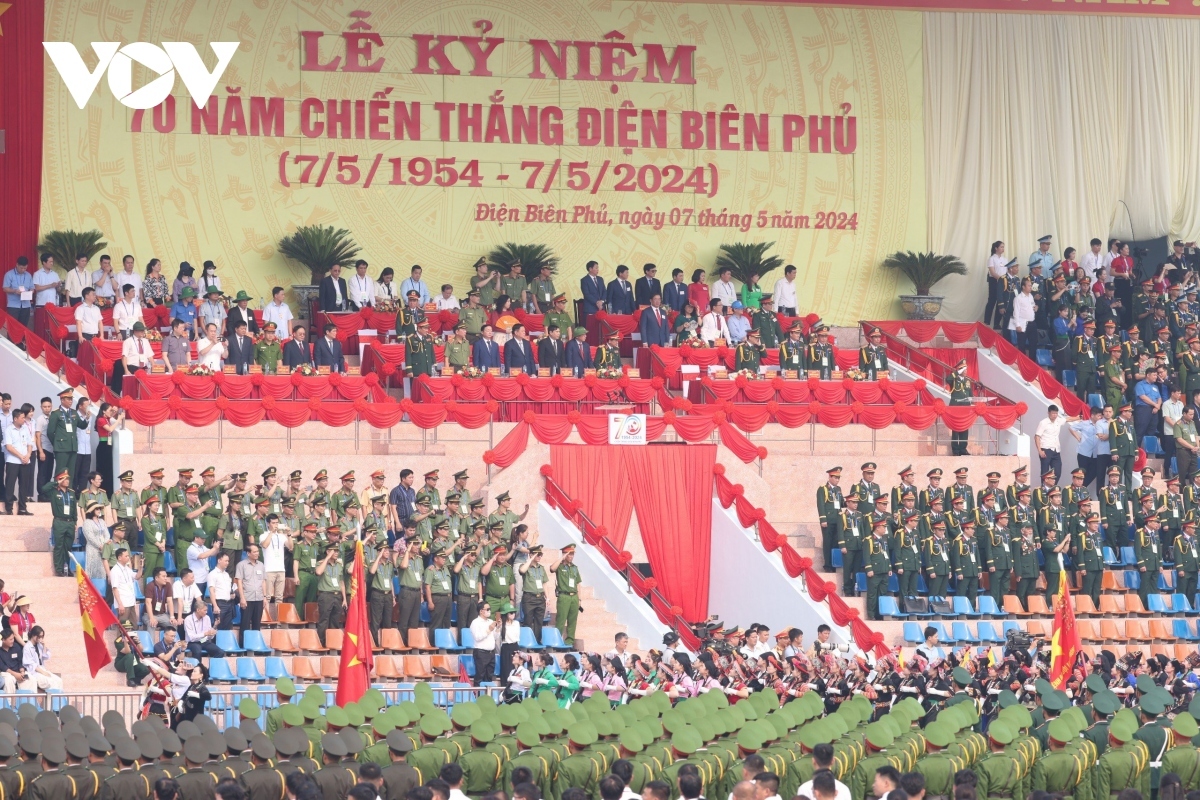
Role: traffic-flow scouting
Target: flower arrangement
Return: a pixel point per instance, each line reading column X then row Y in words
column 103, row 302
column 153, row 335
column 305, row 370
column 854, row 375
column 386, row 306
column 695, row 342
column 198, row 370
column 609, row 373
column 748, row 374
column 472, row 372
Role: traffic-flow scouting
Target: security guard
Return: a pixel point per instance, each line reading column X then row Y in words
column 878, row 567
column 566, row 591
column 829, row 507
column 268, row 352
column 61, row 430
column 960, row 395
column 1088, row 557
column 750, row 353
column 66, row 516
column 851, row 532
column 872, row 357
column 966, row 563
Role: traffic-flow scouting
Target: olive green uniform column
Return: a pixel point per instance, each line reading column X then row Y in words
column 66, row 513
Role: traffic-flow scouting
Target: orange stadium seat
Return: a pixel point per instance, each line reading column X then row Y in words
column 267, row 620
column 330, row 666
column 1084, row 605
column 1111, row 604
column 284, row 641
column 446, row 665
column 389, row 640
column 302, row 668
column 1087, row 631
column 1160, row 630
column 387, row 667
column 1037, row 628
column 1110, row 632
column 1135, row 629
column 333, row 639
column 288, row 616
column 1037, row 605
column 1112, row 581
column 1133, row 605
column 417, row 667
column 312, row 613
column 1182, row 651
column 310, row 642
column 418, row 639
column 1012, row 605
column 1162, row 649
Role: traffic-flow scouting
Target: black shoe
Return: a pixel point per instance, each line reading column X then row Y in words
column 29, row 514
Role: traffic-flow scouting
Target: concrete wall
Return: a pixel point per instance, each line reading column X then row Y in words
column 26, row 380
column 772, row 597
column 1008, row 381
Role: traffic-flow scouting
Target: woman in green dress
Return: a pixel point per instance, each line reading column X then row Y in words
column 752, row 292
column 686, row 323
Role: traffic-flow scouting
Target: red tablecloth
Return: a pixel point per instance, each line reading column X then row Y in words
column 252, row 387
column 557, row 395
column 665, row 362
column 780, row 390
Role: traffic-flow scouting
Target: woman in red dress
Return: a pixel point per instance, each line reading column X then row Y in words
column 698, row 290
column 1122, row 273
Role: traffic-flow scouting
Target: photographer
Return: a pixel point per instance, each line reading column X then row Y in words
column 201, row 638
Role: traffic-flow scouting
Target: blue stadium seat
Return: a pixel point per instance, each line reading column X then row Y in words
column 893, row 584
column 254, row 643
column 145, row 640
column 1156, row 604
column 1096, row 401
column 1133, row 580
column 943, row 635
column 443, row 639
column 1128, row 557
column 247, row 670
column 137, row 591
column 987, row 631
column 914, row 633
column 962, row 633
column 425, row 618
column 1045, row 358
column 1183, row 630
column 468, row 639
column 1151, row 446
column 1009, row 625
column 169, row 561
column 1110, row 557
column 962, row 606
column 921, row 587
column 888, row 607
column 860, row 582
column 227, row 641
column 101, row 586
column 987, row 606
column 837, row 558
column 1181, row 605
column 527, row 641
column 275, row 667
column 1166, row 581
column 552, row 638
column 1068, row 378
column 469, row 666
column 218, row 670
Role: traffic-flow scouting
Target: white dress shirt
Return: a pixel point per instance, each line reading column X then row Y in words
column 485, row 639
column 220, row 585
column 784, row 293
column 133, row 279
column 196, row 629
column 186, row 595
column 727, row 292
column 1092, row 263
column 212, row 359
column 362, row 290
column 20, row 439
column 104, row 284
column 77, row 281
column 712, row 327
column 125, row 313
column 1047, row 433
column 197, row 564
column 281, row 315
column 1023, row 312
column 137, row 352
column 843, row 791
column 996, row 267
column 45, row 297
column 88, row 319
column 447, row 303
column 122, row 579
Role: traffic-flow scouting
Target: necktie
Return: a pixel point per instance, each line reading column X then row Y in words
column 140, row 351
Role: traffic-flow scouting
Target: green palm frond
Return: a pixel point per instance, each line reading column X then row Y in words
column 924, row 269
column 66, row 246
column 745, row 260
column 532, row 258
column 319, row 248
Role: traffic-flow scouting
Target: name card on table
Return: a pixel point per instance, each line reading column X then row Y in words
column 494, row 371
column 718, row 342
column 158, row 369
column 634, row 372
column 353, row 370
column 791, row 374
column 256, row 369
column 543, row 372
column 323, row 370
column 721, row 374
column 229, row 369
column 589, row 371
column 836, row 375
column 814, row 373
column 285, row 370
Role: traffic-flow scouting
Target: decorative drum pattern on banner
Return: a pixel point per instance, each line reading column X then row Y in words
column 623, row 132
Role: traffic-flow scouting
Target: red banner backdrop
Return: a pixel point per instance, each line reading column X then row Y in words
column 21, row 109
column 731, row 494
column 584, row 473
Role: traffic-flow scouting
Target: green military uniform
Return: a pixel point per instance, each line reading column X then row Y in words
column 1063, row 771
column 906, row 561
column 829, row 507
column 1120, row 768
column 154, row 537
column 562, row 319
column 750, row 354
column 566, row 591
column 1155, row 737
column 533, row 595
column 938, row 567
column 514, row 286
column 999, row 773
column 1114, row 513
column 498, row 584
column 1085, row 355
column 793, row 355
column 960, row 395
column 1183, row 759
column 863, row 776
column 1025, row 564
column 437, row 579
column 543, row 293
column 1187, row 560
column 1089, row 558
column 1147, row 546
column 997, row 555
column 938, row 769
column 268, row 355
column 819, row 356
column 305, row 557
column 474, row 319
column 1123, row 447
column 458, row 354
column 418, row 354
column 61, row 429
column 1114, row 378
column 878, row 566
column 873, row 359
column 408, row 318
column 62, row 530
column 965, row 558
column 851, row 533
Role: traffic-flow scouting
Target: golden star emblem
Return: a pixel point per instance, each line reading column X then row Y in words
column 3, row 7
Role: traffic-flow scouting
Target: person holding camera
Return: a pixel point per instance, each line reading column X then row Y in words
column 211, row 349
column 331, row 589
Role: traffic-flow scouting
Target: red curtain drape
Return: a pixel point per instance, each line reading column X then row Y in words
column 676, row 525
column 594, row 478
column 22, row 66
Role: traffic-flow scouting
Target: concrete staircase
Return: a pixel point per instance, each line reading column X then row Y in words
column 27, row 569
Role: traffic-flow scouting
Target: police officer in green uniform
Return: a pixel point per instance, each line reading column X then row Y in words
column 1062, row 769
column 331, row 590
column 66, row 514
column 939, row 765
column 412, row 582
column 937, row 563
column 960, row 395
column 1182, row 758
column 566, row 592
column 1115, row 510
column 1122, row 764
column 437, row 587
column 750, row 353
column 878, row 566
column 851, row 533
column 872, row 357
column 268, row 352
column 418, row 351
column 498, row 576
column 879, row 739
column 1187, row 560
column 1113, row 374
column 829, row 507
column 1121, row 444
column 125, row 504
column 458, row 350
column 231, row 529
column 306, row 554
column 473, row 315
column 1089, row 557
column 559, row 316
column 154, row 537
column 965, row 558
column 408, row 315
column 1025, row 563
column 999, row 773
column 1152, row 733
column 334, row 778
column 1147, row 546
column 533, row 591
column 61, row 430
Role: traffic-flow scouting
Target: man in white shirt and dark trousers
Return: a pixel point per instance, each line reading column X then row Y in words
column 122, row 579
column 483, row 630
column 1046, row 438
column 784, row 293
column 222, row 592
column 18, row 464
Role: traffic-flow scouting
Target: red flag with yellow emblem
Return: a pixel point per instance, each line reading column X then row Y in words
column 354, row 673
column 1065, row 644
column 96, row 617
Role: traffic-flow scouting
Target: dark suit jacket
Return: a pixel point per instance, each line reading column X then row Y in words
column 327, row 355
column 240, row 355
column 485, row 354
column 236, row 315
column 552, row 353
column 675, row 295
column 518, row 357
column 645, row 288
column 295, row 354
column 654, row 330
column 327, row 297
column 579, row 357
column 620, row 298
column 592, row 288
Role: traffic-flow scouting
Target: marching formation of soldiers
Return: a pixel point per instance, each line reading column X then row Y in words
column 1007, row 536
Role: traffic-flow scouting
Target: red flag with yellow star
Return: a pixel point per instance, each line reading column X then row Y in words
column 97, row 616
column 1065, row 644
column 354, row 673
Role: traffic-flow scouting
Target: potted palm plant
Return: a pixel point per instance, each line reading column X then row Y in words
column 747, row 259
column 318, row 248
column 66, row 246
column 924, row 270
column 531, row 257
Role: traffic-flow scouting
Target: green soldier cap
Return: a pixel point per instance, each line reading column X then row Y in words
column 464, row 714
column 1185, row 725
column 483, row 731
column 382, row 725
column 353, row 739
column 527, row 734
column 249, row 709
column 1152, row 706
column 315, row 693
column 1043, row 687
column 310, row 708
column 1001, row 732
column 631, row 740
column 584, row 734
column 1062, row 731
column 335, row 717
column 1019, row 716
column 1122, row 731
column 879, row 735
column 1055, row 701
column 890, row 721
column 285, row 687
column 814, row 733
column 961, row 676
column 1106, row 702
column 292, row 715
column 262, row 748
column 1007, row 698
column 354, row 715
column 1126, row 716
column 397, row 742
column 580, row 331
column 1095, row 683
column 1074, row 715
column 940, row 733
column 1144, row 682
